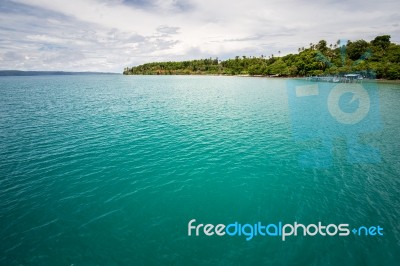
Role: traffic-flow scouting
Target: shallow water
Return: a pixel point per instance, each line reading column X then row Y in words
column 109, row 170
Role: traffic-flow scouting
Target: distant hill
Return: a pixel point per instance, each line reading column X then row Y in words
column 48, row 73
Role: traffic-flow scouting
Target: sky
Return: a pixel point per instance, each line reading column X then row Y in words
column 109, row 35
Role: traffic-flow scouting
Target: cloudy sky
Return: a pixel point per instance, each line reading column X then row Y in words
column 108, row 35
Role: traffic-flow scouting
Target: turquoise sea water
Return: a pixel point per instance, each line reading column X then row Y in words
column 109, row 170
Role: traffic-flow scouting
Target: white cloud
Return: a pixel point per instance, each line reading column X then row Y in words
column 107, row 35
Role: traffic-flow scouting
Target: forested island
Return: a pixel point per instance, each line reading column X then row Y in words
column 379, row 58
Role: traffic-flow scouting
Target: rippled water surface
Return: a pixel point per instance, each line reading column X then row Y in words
column 108, row 170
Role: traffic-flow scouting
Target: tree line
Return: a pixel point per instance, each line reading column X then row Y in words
column 379, row 58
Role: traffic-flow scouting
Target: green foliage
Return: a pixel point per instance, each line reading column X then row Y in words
column 322, row 46
column 379, row 56
column 356, row 49
column 279, row 67
column 381, row 41
column 393, row 71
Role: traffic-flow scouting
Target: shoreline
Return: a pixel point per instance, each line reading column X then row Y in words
column 261, row 76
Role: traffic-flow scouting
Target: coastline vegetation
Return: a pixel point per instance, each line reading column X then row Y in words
column 378, row 58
